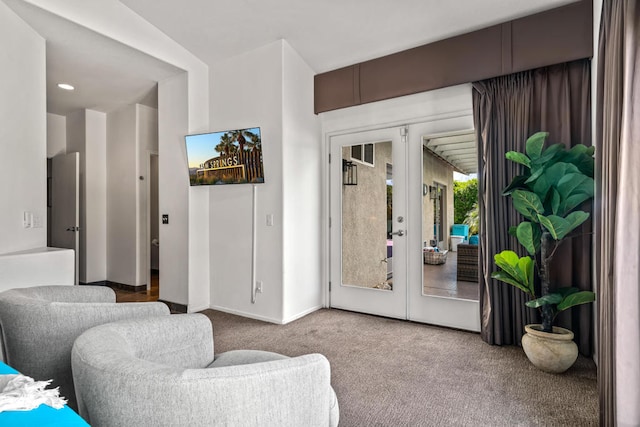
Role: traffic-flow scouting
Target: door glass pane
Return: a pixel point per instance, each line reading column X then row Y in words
column 367, row 245
column 440, row 266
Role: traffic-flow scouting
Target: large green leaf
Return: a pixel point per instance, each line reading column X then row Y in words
column 559, row 227
column 556, row 225
column 515, row 270
column 535, row 143
column 565, row 291
column 508, row 261
column 572, row 202
column 574, row 188
column 551, row 152
column 516, row 183
column 575, row 219
column 582, row 157
column 536, row 172
column 555, row 201
column 525, row 265
column 576, row 298
column 574, row 183
column 503, row 276
column 517, row 157
column 541, row 187
column 557, row 171
column 528, row 204
column 513, row 231
column 549, row 299
column 525, row 236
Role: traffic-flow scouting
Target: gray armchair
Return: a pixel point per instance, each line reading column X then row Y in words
column 38, row 326
column 162, row 372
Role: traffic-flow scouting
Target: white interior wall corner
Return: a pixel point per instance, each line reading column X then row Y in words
column 302, row 277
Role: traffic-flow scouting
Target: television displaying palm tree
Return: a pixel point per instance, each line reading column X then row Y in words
column 228, row 157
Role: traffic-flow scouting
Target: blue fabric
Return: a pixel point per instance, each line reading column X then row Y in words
column 43, row 415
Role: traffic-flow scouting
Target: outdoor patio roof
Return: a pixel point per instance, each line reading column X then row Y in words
column 459, row 149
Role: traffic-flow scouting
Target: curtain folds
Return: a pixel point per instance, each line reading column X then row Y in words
column 507, row 110
column 618, row 224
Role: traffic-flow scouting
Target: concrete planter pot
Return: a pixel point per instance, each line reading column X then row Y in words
column 550, row 352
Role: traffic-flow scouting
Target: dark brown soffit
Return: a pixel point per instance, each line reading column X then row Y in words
column 555, row 36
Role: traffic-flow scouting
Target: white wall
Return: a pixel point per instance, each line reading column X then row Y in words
column 56, row 135
column 173, row 185
column 86, row 132
column 22, row 133
column 95, row 196
column 302, row 157
column 121, row 195
column 246, row 91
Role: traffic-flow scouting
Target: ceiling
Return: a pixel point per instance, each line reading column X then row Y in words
column 459, row 149
column 327, row 34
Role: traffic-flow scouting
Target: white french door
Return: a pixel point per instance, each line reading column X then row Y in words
column 377, row 218
column 368, row 227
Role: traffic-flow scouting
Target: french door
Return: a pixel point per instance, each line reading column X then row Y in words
column 368, row 228
column 378, row 228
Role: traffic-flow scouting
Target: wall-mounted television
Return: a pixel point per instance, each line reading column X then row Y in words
column 228, row 157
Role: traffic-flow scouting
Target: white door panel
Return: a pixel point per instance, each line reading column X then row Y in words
column 361, row 239
column 65, row 211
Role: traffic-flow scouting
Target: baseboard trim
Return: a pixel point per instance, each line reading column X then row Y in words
column 174, row 306
column 117, row 285
column 193, row 309
column 245, row 314
column 301, row 315
column 99, row 283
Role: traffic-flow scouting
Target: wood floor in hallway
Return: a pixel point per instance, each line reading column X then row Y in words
column 140, row 296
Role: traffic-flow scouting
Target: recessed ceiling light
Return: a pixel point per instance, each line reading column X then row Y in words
column 65, row 86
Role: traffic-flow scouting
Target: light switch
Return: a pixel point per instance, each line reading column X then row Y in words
column 269, row 220
column 27, row 219
column 165, row 218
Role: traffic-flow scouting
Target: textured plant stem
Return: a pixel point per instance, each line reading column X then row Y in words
column 545, row 258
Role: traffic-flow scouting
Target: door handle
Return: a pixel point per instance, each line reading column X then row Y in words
column 398, row 233
column 73, row 229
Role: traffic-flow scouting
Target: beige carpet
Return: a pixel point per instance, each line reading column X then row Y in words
column 396, row 373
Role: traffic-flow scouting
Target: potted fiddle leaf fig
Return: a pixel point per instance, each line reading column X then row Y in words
column 554, row 183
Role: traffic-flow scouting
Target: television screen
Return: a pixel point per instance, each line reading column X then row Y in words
column 229, row 157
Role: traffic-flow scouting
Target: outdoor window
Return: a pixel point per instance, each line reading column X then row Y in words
column 363, row 153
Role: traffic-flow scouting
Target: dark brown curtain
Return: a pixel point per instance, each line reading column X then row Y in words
column 507, row 110
column 617, row 222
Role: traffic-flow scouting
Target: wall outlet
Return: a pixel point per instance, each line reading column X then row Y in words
column 269, row 220
column 259, row 286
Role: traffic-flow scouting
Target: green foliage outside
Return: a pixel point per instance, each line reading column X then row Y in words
column 465, row 195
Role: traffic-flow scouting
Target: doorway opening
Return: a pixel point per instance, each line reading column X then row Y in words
column 153, row 234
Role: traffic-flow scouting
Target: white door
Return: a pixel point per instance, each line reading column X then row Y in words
column 461, row 310
column 65, row 211
column 378, row 226
column 368, row 226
